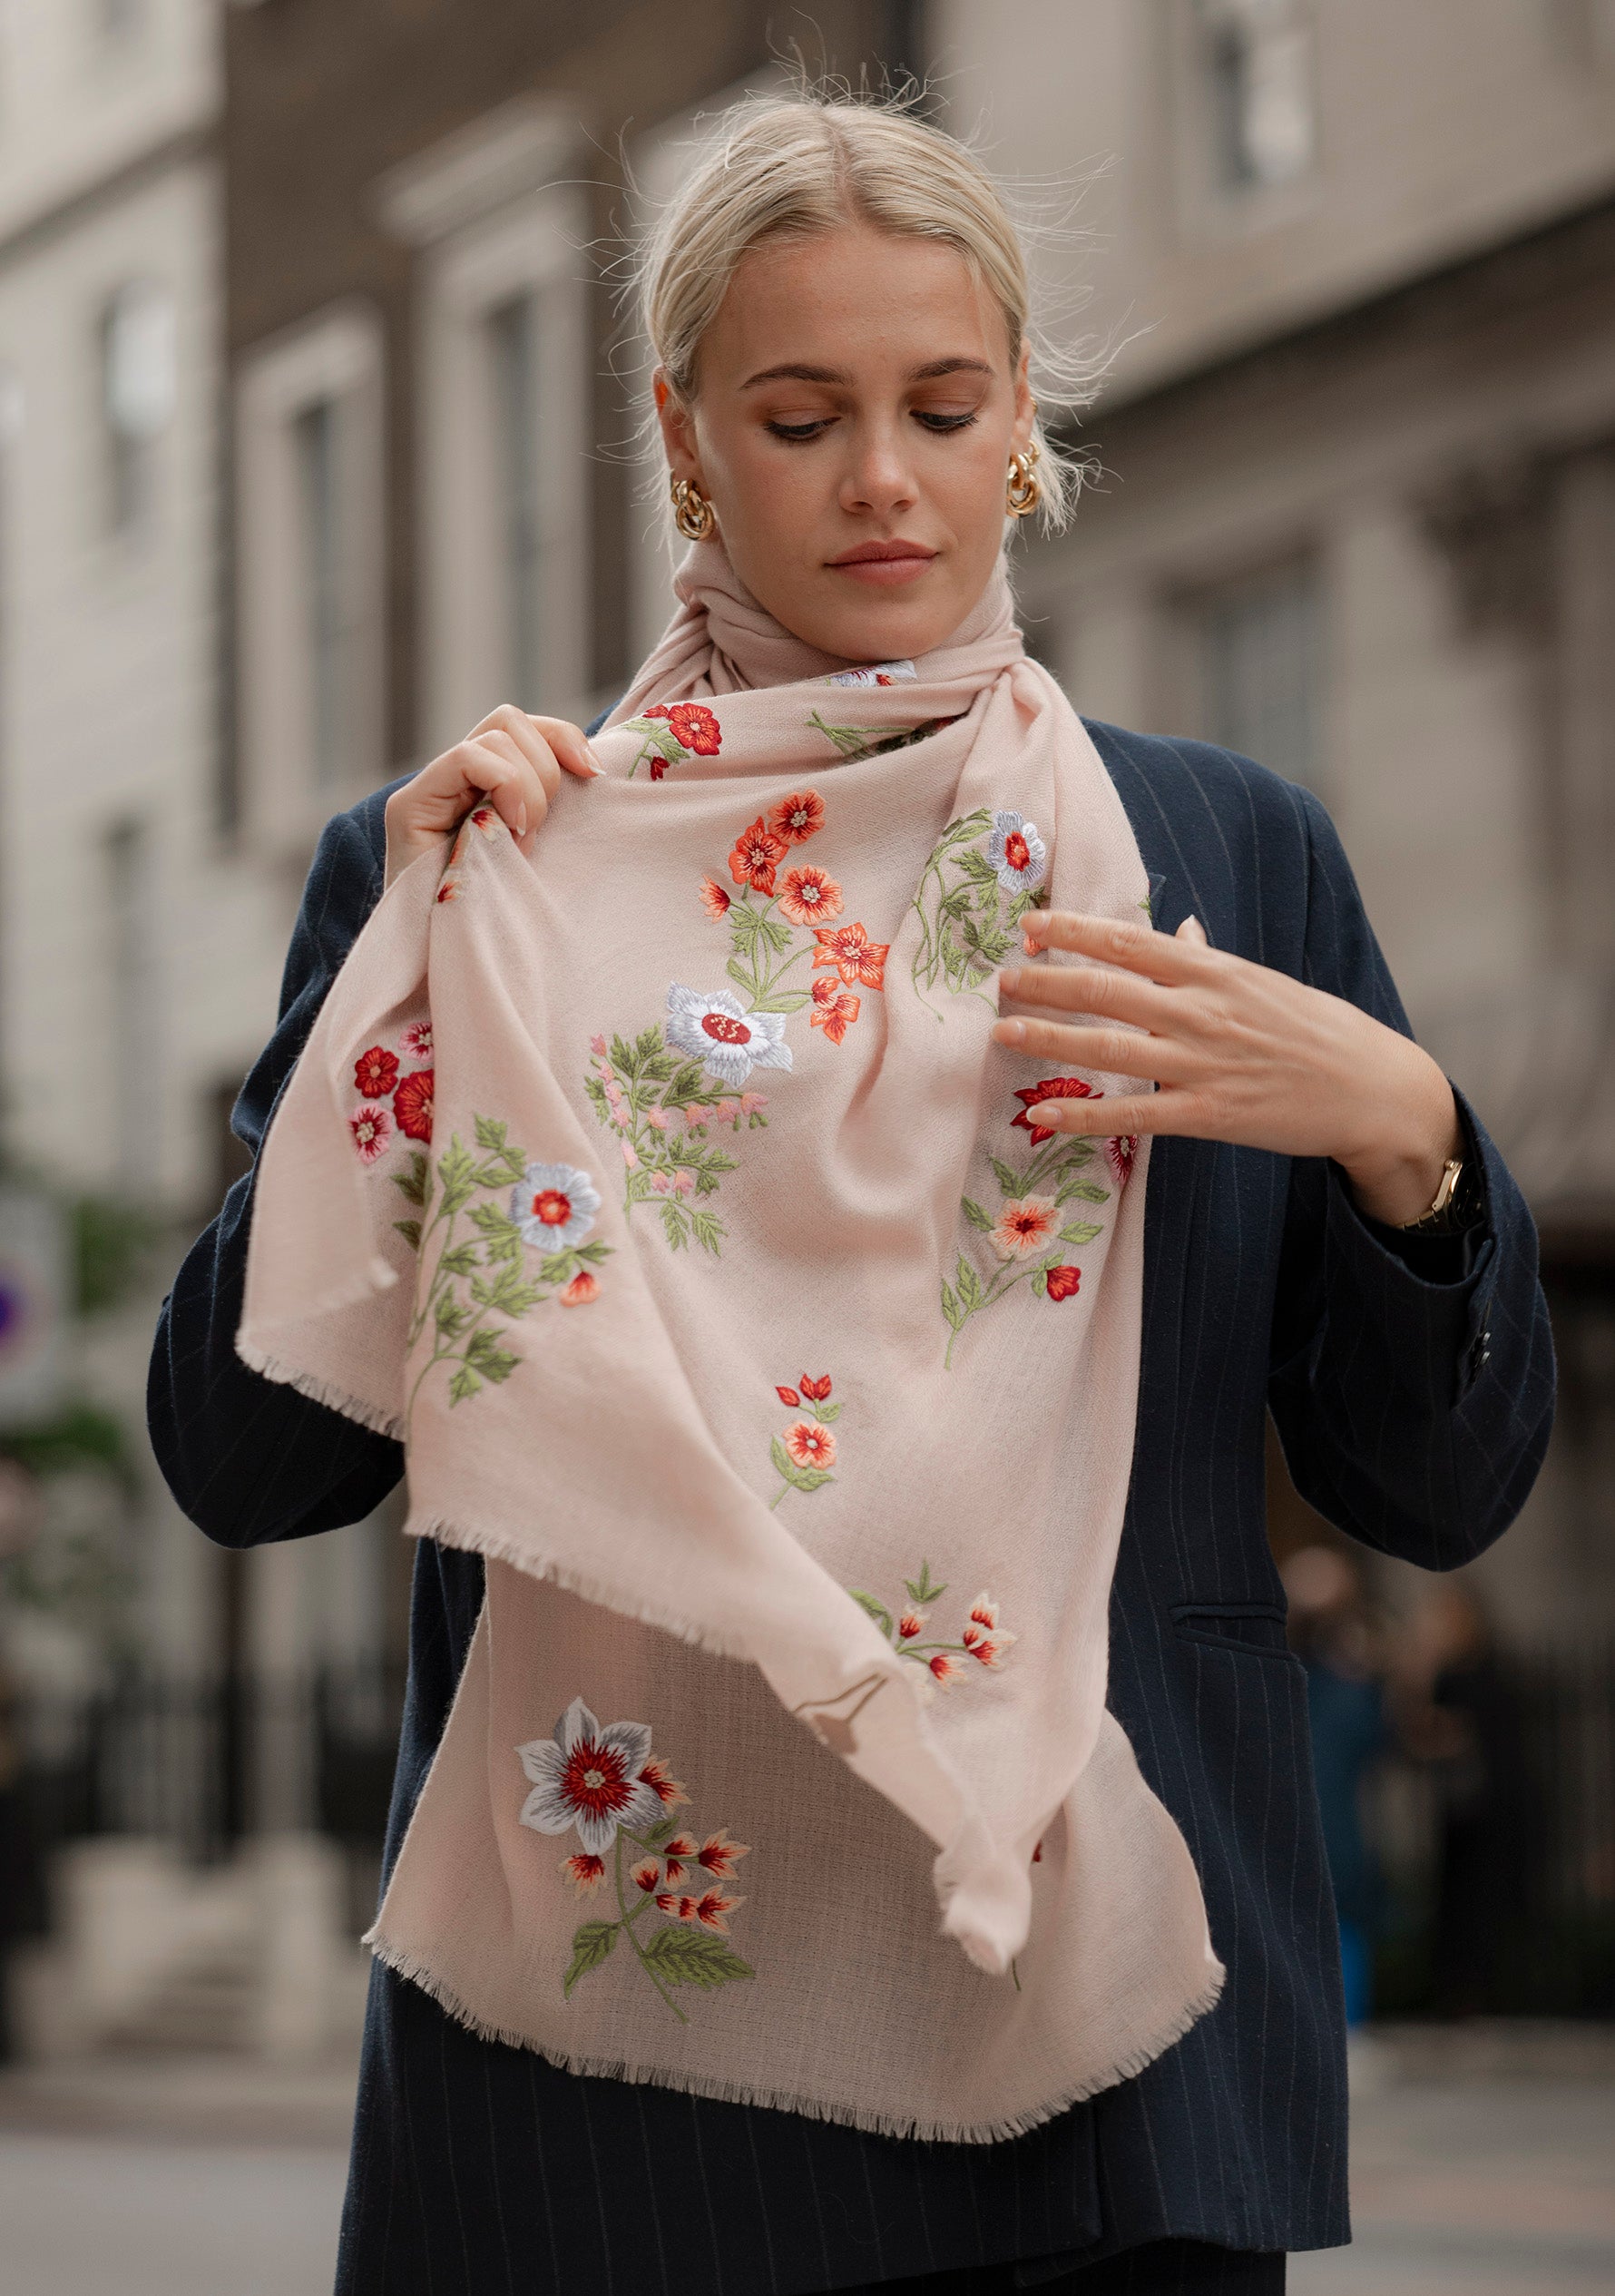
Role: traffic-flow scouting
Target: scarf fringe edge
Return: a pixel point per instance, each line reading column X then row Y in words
column 335, row 1399
column 906, row 2126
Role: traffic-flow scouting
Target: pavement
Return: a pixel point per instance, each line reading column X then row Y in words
column 1484, row 2161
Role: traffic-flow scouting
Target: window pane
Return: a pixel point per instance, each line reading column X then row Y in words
column 1259, row 62
column 317, row 445
column 1261, row 659
column 138, row 383
column 513, row 348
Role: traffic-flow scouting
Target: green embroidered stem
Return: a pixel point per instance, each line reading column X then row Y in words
column 630, row 1933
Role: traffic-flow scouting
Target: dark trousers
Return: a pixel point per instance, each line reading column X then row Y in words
column 1162, row 2268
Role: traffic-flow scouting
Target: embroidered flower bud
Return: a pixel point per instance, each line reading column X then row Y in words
column 910, row 1624
column 719, row 1855
column 665, row 1787
column 710, row 1910
column 816, row 1390
column 944, row 1668
column 582, row 1288
column 789, row 1398
column 647, row 1874
column 585, row 1872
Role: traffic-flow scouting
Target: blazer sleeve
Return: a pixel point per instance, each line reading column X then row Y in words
column 1412, row 1383
column 249, row 1459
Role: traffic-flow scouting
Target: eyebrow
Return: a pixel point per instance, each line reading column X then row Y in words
column 795, row 372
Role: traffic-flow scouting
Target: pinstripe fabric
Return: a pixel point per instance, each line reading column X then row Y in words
column 1413, row 1389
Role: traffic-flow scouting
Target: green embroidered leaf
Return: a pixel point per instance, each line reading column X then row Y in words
column 410, row 1230
column 484, row 1354
column 974, row 1214
column 968, row 1283
column 658, row 1067
column 676, row 1225
column 621, row 1055
column 1008, row 1179
column 923, row 1589
column 825, row 1412
column 450, row 1315
column 464, row 1383
column 1040, row 1282
column 950, row 1307
column 459, row 1259
column 662, row 1830
column 597, row 1251
column 502, row 1239
column 783, row 1462
column 878, row 1611
column 1087, row 1191
column 777, row 934
column 457, row 1172
column 694, row 1956
column 1080, row 1231
column 490, row 1135
column 978, row 866
column 784, row 1000
column 710, row 1230
column 510, row 1294
column 684, row 1084
column 648, row 1041
column 808, row 1478
column 592, row 1941
column 743, row 974
column 502, row 1173
column 411, row 1183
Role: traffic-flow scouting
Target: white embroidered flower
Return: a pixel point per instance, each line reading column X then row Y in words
column 1017, row 852
column 720, row 1031
column 875, row 673
column 591, row 1778
column 555, row 1205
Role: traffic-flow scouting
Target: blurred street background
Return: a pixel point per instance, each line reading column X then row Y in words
column 319, row 434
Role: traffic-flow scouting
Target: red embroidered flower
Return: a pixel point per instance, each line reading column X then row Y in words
column 1024, row 1225
column 809, row 894
column 756, row 852
column 789, row 1398
column 719, row 1855
column 911, row 1623
column 713, row 898
column 1062, row 1282
column 372, row 1129
column 695, row 726
column 376, row 1072
column 584, row 1872
column 1122, row 1151
column 449, row 890
column 1050, row 1088
column 983, row 1636
column 661, row 1782
column 810, row 1444
column 645, row 1875
column 795, row 818
column 710, row 1910
column 854, row 954
column 945, row 1668
column 834, row 1009
column 412, row 1104
column 816, row 1390
column 658, row 769
column 582, row 1288
column 676, row 1852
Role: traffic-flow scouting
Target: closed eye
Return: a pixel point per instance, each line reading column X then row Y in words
column 798, row 433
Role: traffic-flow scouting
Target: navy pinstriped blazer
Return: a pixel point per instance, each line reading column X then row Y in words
column 1412, row 1388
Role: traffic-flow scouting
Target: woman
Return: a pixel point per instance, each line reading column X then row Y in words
column 839, row 308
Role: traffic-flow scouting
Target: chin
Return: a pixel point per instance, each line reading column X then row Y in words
column 877, row 630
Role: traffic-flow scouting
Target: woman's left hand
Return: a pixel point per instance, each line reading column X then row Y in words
column 1239, row 1053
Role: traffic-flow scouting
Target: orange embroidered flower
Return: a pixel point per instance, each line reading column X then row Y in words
column 412, row 1104
column 756, row 853
column 1062, row 1282
column 834, row 1009
column 809, row 1445
column 1023, row 1226
column 795, row 818
column 582, row 1288
column 1050, row 1088
column 375, row 1073
column 809, row 894
column 584, row 1872
column 854, row 954
column 719, row 1855
column 816, row 1390
column 713, row 898
column 662, row 1784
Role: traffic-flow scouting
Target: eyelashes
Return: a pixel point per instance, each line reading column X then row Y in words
column 802, row 434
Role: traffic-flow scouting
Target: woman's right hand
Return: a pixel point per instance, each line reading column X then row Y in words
column 513, row 761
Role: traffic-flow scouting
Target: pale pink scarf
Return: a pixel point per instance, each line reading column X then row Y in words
column 670, row 1197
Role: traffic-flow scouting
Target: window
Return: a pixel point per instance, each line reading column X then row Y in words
column 1260, row 662
column 1257, row 59
column 138, row 384
column 310, row 602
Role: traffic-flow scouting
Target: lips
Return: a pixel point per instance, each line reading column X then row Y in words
column 869, row 554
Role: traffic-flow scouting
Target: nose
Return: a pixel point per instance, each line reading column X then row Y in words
column 878, row 479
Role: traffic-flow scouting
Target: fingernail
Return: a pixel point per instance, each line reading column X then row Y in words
column 594, row 764
column 1009, row 1032
column 1009, row 980
column 521, row 820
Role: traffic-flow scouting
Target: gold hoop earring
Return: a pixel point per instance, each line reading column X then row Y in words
column 1025, row 488
column 692, row 513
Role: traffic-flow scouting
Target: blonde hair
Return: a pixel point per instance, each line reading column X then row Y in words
column 807, row 163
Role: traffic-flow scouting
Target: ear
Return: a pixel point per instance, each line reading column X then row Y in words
column 677, row 423
column 1025, row 405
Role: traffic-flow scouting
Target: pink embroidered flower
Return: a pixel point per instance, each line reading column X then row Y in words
column 1120, row 1151
column 854, row 955
column 754, row 855
column 584, row 1873
column 661, row 1782
column 944, row 1668
column 1023, row 1226
column 630, row 1155
column 834, row 1009
column 417, row 1041
column 1062, row 1282
column 1050, row 1088
column 662, row 1183
column 726, row 1109
column 555, row 1205
column 683, row 1181
column 751, row 1101
column 372, row 1129
column 711, row 1909
column 816, row 1390
column 645, row 1875
column 589, row 1776
column 713, row 897
column 797, row 817
column 789, row 1398
column 911, row 1623
column 598, row 1046
column 376, row 1072
column 810, row 1444
column 721, row 1855
column 412, row 1104
column 809, row 895
column 582, row 1288
column 695, row 1119
column 657, row 1118
column 982, row 1635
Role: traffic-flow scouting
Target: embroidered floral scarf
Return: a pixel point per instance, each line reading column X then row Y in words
column 668, row 1196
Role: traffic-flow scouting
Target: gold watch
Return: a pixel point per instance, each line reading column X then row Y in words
column 1445, row 1212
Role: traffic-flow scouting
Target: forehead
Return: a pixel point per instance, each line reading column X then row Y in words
column 853, row 298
